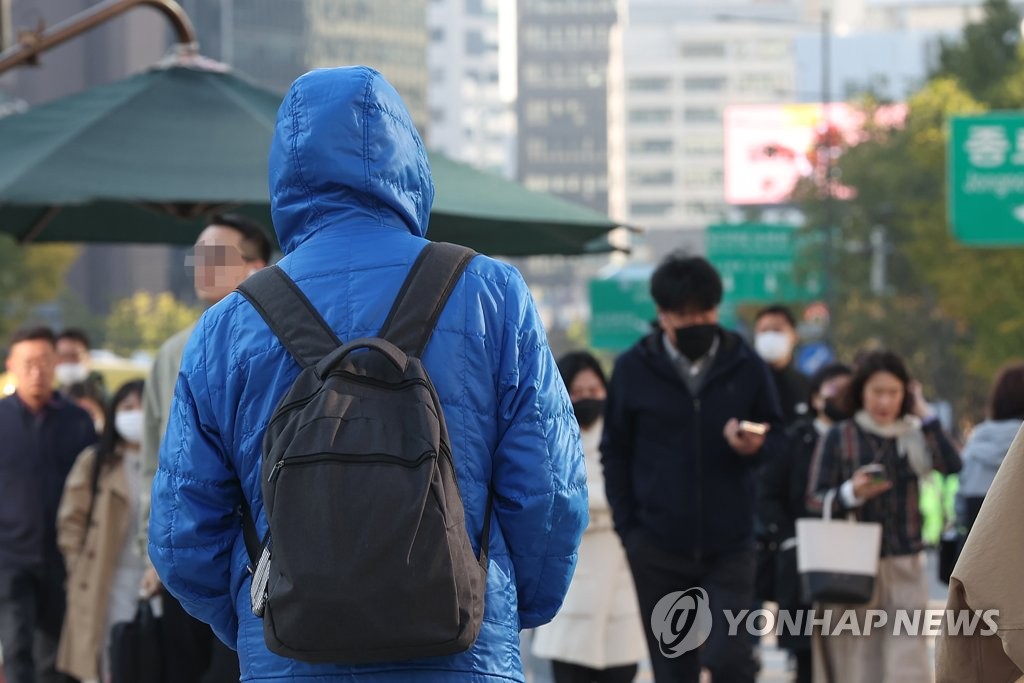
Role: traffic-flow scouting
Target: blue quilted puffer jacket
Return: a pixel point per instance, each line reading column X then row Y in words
column 351, row 195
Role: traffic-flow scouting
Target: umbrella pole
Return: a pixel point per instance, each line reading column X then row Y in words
column 44, row 220
column 32, row 43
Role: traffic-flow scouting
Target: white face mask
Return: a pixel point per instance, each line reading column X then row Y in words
column 128, row 424
column 773, row 346
column 71, row 373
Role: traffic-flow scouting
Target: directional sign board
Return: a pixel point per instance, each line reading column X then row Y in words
column 985, row 174
column 758, row 263
column 621, row 310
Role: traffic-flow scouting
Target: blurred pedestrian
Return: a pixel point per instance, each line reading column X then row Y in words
column 775, row 339
column 989, row 442
column 96, row 530
column 784, row 499
column 230, row 249
column 894, row 429
column 42, row 433
column 74, row 363
column 597, row 636
column 350, row 196
column 692, row 410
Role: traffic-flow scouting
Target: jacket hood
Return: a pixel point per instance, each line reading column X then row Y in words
column 345, row 152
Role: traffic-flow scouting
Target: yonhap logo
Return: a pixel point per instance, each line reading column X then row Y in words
column 681, row 622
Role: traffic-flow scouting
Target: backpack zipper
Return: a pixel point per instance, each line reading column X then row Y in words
column 358, row 379
column 378, row 458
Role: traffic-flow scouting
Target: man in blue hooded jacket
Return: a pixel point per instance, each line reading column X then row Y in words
column 350, row 196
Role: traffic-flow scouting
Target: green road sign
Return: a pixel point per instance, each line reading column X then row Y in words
column 985, row 173
column 621, row 311
column 758, row 263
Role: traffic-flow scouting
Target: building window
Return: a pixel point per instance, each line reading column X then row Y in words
column 537, row 112
column 649, row 84
column 704, row 83
column 437, row 116
column 702, row 115
column 650, row 115
column 651, row 146
column 703, row 146
column 475, row 43
column 659, row 178
column 638, row 209
column 703, row 50
column 437, row 35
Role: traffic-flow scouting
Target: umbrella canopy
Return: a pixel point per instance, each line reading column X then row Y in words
column 148, row 159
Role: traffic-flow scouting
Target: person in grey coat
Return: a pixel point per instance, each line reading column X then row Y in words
column 989, row 441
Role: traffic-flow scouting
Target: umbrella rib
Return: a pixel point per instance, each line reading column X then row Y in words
column 43, row 221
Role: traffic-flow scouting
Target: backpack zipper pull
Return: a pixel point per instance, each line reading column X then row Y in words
column 274, row 472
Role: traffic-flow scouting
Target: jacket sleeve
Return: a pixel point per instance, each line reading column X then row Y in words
column 768, row 409
column 193, row 521
column 945, row 456
column 775, row 490
column 74, row 508
column 538, row 476
column 617, row 452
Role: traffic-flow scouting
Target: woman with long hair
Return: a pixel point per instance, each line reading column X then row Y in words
column 96, row 529
column 872, row 465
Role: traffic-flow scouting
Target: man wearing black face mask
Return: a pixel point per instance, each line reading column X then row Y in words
column 680, row 467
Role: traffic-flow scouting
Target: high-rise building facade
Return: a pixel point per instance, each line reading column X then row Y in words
column 676, row 69
column 562, row 104
column 472, row 115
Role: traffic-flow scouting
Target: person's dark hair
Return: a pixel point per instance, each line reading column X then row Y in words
column 575, row 362
column 75, row 334
column 85, row 390
column 109, row 439
column 36, row 333
column 685, row 283
column 1006, row 402
column 779, row 310
column 868, row 365
column 828, row 373
column 253, row 235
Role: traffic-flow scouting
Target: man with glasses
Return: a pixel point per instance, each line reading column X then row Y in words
column 228, row 251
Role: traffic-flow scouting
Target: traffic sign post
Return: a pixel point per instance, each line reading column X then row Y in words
column 985, row 176
column 758, row 263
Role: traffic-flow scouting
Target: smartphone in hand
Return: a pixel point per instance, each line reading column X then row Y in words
column 753, row 427
column 877, row 472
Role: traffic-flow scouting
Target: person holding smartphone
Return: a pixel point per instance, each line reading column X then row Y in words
column 690, row 414
column 875, row 461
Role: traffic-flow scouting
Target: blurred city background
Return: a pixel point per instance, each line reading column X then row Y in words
column 801, row 145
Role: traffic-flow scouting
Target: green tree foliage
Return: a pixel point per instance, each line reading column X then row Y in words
column 29, row 276
column 955, row 312
column 145, row 321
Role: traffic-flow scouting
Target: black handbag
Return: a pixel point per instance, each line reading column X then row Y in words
column 136, row 648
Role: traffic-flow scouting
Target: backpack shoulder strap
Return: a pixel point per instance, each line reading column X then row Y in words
column 424, row 294
column 290, row 315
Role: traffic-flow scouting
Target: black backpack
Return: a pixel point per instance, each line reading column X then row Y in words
column 367, row 558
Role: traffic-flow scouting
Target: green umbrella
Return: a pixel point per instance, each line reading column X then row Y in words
column 148, row 159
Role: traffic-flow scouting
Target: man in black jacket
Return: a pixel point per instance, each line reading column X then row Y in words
column 679, row 472
column 42, row 434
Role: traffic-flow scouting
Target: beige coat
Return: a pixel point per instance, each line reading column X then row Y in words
column 599, row 625
column 90, row 566
column 988, row 577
